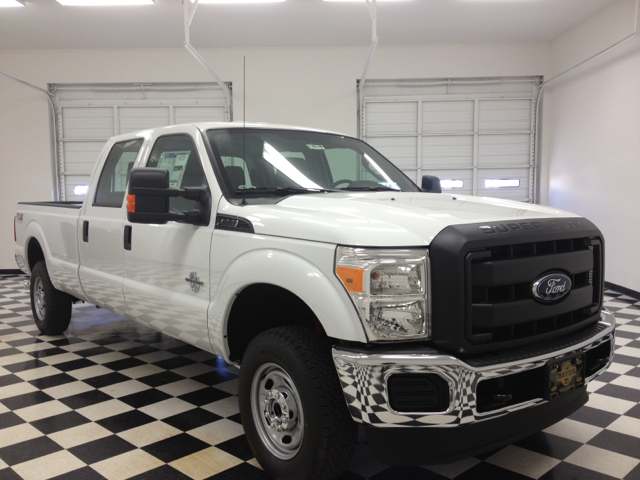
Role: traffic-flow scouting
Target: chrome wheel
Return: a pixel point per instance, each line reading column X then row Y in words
column 39, row 299
column 277, row 411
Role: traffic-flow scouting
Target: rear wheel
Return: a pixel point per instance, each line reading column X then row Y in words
column 292, row 406
column 51, row 308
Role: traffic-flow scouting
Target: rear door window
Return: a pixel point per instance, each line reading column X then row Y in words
column 115, row 173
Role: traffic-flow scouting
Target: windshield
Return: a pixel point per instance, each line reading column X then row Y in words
column 270, row 162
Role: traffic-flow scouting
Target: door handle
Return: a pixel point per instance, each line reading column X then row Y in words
column 127, row 237
column 85, row 231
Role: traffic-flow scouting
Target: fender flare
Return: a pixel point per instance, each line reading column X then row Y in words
column 323, row 294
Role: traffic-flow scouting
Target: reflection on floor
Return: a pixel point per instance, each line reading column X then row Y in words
column 111, row 399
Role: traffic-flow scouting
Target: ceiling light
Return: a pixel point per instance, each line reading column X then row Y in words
column 239, row 1
column 11, row 3
column 364, row 1
column 103, row 3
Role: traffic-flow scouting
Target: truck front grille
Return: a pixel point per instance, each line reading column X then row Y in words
column 501, row 300
column 482, row 277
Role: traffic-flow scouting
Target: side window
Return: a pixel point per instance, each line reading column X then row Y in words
column 113, row 179
column 178, row 154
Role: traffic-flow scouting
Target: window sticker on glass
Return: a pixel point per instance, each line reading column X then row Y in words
column 175, row 162
column 315, row 147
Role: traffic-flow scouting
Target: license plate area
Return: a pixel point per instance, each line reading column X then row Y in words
column 565, row 375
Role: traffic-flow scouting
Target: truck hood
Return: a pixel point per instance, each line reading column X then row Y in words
column 382, row 219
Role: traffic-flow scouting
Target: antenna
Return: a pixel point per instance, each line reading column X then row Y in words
column 244, row 113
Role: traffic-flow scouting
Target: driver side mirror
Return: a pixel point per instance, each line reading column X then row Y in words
column 431, row 184
column 148, row 198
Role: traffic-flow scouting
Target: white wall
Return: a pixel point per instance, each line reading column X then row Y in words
column 592, row 137
column 314, row 87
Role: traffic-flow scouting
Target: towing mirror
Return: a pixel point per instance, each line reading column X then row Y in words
column 148, row 198
column 431, row 184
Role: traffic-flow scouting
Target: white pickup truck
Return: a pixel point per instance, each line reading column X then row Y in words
column 447, row 325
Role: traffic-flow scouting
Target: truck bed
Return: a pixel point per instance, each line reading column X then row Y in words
column 53, row 226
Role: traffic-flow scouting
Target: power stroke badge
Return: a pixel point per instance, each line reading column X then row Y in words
column 551, row 287
column 194, row 281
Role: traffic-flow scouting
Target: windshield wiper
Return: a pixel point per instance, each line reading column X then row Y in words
column 381, row 188
column 280, row 190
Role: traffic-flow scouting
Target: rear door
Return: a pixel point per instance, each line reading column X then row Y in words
column 100, row 228
column 166, row 270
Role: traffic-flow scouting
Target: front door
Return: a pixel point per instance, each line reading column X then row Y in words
column 166, row 272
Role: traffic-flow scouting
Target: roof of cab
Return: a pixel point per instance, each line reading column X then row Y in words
column 204, row 126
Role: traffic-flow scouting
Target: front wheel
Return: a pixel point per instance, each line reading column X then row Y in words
column 51, row 308
column 292, row 406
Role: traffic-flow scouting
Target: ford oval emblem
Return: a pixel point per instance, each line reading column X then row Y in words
column 551, row 287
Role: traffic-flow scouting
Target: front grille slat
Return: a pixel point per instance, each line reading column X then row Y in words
column 518, row 270
column 523, row 311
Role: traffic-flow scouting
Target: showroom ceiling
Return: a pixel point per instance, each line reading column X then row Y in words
column 47, row 24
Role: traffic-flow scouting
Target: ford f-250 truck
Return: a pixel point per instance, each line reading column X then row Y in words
column 447, row 325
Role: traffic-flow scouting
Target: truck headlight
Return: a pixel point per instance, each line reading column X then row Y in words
column 389, row 289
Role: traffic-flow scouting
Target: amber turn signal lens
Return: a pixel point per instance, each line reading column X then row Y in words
column 351, row 278
column 131, row 203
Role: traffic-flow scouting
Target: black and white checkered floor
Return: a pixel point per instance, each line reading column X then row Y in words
column 111, row 399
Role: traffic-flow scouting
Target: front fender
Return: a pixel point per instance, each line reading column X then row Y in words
column 321, row 291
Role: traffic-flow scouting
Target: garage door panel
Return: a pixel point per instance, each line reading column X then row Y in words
column 504, row 115
column 504, row 150
column 199, row 114
column 449, row 116
column 80, row 157
column 447, row 150
column 133, row 119
column 94, row 123
column 392, row 117
column 402, row 151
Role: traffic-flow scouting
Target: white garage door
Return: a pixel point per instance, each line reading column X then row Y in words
column 87, row 115
column 476, row 135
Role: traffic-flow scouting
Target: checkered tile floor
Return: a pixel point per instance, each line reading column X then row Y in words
column 111, row 399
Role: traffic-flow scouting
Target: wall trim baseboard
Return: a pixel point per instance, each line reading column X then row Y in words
column 11, row 271
column 627, row 291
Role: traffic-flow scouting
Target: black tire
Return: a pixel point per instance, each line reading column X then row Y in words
column 51, row 308
column 329, row 435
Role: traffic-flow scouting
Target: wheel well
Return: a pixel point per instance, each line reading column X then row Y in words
column 261, row 307
column 34, row 253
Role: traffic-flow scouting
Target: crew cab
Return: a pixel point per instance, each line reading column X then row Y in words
column 446, row 325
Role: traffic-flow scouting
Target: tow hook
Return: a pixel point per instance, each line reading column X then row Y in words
column 27, row 284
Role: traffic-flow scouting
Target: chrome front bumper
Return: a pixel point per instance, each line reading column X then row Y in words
column 364, row 381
